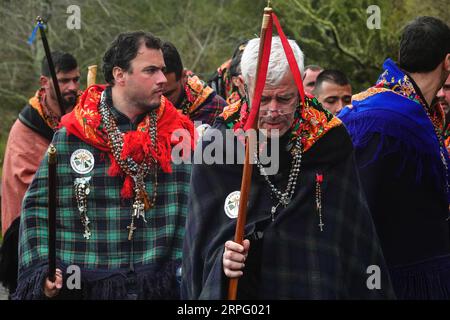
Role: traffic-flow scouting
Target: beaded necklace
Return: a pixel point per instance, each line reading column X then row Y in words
column 137, row 171
column 284, row 198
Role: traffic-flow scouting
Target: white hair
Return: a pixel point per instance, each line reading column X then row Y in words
column 278, row 64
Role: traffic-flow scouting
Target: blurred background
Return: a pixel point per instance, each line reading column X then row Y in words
column 332, row 34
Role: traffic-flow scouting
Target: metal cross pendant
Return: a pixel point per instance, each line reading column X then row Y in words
column 321, row 225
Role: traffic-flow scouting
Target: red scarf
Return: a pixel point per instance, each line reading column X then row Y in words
column 85, row 123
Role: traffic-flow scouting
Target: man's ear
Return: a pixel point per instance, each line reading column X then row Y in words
column 44, row 81
column 447, row 62
column 118, row 75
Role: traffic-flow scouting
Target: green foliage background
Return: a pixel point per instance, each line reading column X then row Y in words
column 332, row 33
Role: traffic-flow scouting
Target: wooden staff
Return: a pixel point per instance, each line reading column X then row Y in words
column 248, row 167
column 51, row 66
column 92, row 75
column 52, row 212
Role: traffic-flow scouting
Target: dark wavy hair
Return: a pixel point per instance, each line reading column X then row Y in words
column 124, row 48
column 172, row 59
column 63, row 62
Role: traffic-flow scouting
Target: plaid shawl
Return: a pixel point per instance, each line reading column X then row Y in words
column 108, row 257
column 297, row 260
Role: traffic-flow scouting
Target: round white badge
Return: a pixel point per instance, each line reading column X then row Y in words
column 82, row 161
column 231, row 205
column 201, row 129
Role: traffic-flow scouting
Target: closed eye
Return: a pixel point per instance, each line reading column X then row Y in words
column 153, row 69
column 331, row 100
column 284, row 99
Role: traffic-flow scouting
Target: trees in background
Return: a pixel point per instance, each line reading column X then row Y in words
column 333, row 34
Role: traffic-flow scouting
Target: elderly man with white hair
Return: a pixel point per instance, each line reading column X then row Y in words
column 309, row 234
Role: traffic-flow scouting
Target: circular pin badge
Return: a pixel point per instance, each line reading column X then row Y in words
column 201, row 129
column 82, row 161
column 231, row 205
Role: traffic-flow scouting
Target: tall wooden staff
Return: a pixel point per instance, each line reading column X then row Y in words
column 52, row 212
column 249, row 142
column 52, row 197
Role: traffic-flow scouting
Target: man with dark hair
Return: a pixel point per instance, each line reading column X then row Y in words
column 122, row 202
column 64, row 63
column 28, row 139
column 190, row 95
column 403, row 162
column 333, row 90
column 237, row 85
column 309, row 78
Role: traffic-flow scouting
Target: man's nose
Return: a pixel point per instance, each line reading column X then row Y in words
column 273, row 106
column 273, row 112
column 161, row 78
column 440, row 93
column 73, row 85
column 340, row 105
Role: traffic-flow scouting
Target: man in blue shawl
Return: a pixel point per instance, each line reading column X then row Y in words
column 403, row 162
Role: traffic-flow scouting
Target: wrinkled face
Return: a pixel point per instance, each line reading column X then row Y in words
column 172, row 88
column 334, row 97
column 277, row 107
column 443, row 96
column 69, row 84
column 143, row 83
column 309, row 80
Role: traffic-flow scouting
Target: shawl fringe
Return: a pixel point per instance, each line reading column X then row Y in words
column 149, row 285
column 396, row 139
column 426, row 280
column 145, row 284
column 30, row 287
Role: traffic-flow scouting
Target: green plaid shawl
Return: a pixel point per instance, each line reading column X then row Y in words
column 156, row 244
